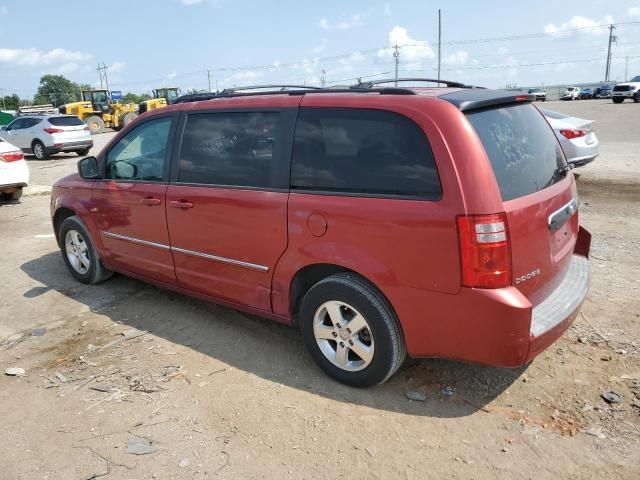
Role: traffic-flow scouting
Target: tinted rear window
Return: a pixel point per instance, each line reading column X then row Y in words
column 522, row 148
column 359, row 151
column 65, row 121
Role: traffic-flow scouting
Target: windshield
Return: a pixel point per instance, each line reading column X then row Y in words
column 172, row 95
column 521, row 147
column 95, row 97
column 635, row 79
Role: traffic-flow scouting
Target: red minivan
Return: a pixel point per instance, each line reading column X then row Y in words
column 438, row 222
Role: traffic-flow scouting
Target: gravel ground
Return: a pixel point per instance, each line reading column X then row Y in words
column 201, row 391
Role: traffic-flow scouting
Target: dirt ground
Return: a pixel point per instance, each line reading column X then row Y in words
column 201, row 391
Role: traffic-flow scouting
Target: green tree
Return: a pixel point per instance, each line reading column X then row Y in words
column 135, row 97
column 57, row 90
column 10, row 102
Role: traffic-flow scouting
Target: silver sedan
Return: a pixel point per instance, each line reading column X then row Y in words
column 576, row 136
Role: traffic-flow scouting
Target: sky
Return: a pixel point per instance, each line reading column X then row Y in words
column 155, row 43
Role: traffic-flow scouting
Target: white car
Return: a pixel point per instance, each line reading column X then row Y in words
column 14, row 173
column 44, row 135
column 571, row 93
column 630, row 89
column 576, row 137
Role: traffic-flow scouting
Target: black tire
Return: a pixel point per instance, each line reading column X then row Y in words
column 83, row 152
column 636, row 97
column 39, row 150
column 15, row 196
column 618, row 99
column 95, row 123
column 389, row 352
column 96, row 272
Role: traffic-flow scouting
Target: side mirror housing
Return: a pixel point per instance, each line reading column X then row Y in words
column 88, row 168
column 3, row 127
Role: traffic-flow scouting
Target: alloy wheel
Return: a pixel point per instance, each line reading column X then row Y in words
column 343, row 335
column 77, row 251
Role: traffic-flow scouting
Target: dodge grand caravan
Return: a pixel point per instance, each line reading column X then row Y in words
column 433, row 222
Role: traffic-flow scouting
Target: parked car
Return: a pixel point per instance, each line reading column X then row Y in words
column 630, row 89
column 378, row 221
column 14, row 172
column 539, row 93
column 571, row 93
column 576, row 135
column 604, row 91
column 45, row 135
column 585, row 93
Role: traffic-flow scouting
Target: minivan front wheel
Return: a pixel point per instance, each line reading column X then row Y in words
column 78, row 252
column 351, row 330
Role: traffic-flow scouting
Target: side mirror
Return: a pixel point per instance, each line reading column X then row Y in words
column 88, row 168
column 3, row 127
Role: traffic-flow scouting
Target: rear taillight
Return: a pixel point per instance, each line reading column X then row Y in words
column 573, row 133
column 11, row 156
column 484, row 251
column 53, row 130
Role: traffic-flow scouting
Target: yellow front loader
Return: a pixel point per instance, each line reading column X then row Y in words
column 161, row 98
column 98, row 111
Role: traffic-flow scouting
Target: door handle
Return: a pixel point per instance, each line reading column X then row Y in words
column 150, row 201
column 180, row 204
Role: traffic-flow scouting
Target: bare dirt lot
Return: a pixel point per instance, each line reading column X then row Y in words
column 123, row 380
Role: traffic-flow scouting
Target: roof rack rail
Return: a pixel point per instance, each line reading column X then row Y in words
column 448, row 83
column 197, row 97
column 282, row 88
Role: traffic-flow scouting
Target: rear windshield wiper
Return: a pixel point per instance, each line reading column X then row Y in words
column 557, row 174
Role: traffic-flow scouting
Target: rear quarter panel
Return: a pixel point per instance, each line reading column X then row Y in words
column 391, row 242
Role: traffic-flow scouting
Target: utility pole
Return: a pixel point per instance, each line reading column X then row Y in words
column 396, row 56
column 323, row 78
column 4, row 106
column 626, row 68
column 439, row 42
column 209, row 78
column 612, row 39
column 102, row 72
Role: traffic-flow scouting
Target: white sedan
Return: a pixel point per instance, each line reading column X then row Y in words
column 14, row 173
column 576, row 136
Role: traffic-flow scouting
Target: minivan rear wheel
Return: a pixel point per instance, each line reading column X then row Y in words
column 78, row 252
column 351, row 330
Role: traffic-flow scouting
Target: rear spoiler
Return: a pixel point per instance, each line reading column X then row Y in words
column 474, row 99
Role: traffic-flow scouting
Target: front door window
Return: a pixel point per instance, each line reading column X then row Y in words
column 140, row 154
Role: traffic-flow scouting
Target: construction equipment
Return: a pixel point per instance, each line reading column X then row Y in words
column 98, row 111
column 161, row 98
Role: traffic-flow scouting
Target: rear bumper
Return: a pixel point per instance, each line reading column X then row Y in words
column 551, row 318
column 497, row 327
column 69, row 146
column 628, row 94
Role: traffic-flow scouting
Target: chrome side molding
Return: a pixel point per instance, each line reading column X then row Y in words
column 215, row 258
column 137, row 240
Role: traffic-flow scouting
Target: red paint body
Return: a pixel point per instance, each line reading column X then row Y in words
column 407, row 248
